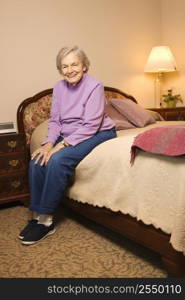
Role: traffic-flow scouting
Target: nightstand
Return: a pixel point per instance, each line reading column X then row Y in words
column 171, row 114
column 13, row 168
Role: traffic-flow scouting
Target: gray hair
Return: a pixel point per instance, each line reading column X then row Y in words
column 79, row 52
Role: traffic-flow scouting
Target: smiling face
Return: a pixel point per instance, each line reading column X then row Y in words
column 72, row 68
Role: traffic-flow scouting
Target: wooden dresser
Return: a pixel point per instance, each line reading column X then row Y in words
column 171, row 114
column 13, row 168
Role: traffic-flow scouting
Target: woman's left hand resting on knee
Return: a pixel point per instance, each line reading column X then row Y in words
column 55, row 149
column 45, row 152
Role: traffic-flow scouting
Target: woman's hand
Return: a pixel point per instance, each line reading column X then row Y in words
column 42, row 152
column 55, row 149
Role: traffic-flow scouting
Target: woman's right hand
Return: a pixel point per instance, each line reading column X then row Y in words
column 41, row 153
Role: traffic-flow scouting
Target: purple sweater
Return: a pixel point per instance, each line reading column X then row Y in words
column 77, row 112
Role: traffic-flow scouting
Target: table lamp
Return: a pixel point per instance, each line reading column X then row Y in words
column 160, row 61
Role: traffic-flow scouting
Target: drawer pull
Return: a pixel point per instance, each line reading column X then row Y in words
column 13, row 162
column 12, row 144
column 15, row 184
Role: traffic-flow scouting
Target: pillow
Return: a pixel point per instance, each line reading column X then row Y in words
column 38, row 136
column 120, row 121
column 156, row 115
column 133, row 112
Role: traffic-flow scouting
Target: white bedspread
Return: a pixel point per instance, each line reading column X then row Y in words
column 152, row 190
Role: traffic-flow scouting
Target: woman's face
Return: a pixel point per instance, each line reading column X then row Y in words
column 72, row 68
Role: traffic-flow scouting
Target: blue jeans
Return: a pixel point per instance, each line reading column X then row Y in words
column 48, row 183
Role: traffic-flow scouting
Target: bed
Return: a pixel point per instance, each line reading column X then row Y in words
column 141, row 199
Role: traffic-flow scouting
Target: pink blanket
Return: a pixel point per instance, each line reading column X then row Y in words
column 166, row 140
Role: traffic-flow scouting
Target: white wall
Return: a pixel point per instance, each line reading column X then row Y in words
column 173, row 29
column 117, row 35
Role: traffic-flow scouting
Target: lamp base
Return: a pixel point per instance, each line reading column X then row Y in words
column 158, row 90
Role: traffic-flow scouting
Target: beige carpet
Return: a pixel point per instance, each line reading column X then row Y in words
column 78, row 249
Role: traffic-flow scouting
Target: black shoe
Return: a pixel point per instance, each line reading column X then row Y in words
column 37, row 233
column 27, row 228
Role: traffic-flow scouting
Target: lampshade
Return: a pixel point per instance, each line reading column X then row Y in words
column 160, row 60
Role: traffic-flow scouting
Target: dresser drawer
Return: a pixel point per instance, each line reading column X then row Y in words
column 174, row 115
column 12, row 143
column 12, row 162
column 171, row 115
column 14, row 184
column 182, row 115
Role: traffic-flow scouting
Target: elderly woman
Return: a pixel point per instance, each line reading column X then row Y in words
column 76, row 126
